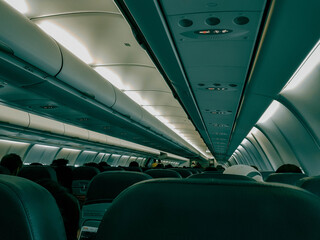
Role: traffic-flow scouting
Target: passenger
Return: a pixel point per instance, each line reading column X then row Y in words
column 289, row 168
column 211, row 169
column 68, row 205
column 12, row 162
column 64, row 173
column 60, row 162
column 93, row 164
column 244, row 170
column 104, row 164
column 169, row 166
column 220, row 168
column 134, row 164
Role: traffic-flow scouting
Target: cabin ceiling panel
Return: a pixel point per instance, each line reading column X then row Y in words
column 107, row 37
column 155, row 98
column 219, row 53
column 48, row 7
column 166, row 110
column 224, row 75
column 183, row 7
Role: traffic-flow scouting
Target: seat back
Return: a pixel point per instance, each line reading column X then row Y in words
column 183, row 172
column 312, row 184
column 163, row 173
column 38, row 172
column 81, row 178
column 28, row 211
column 217, row 175
column 288, row 178
column 103, row 189
column 220, row 210
column 4, row 170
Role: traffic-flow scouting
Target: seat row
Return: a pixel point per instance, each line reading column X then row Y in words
column 161, row 209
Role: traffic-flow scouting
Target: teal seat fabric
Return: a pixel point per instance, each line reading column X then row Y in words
column 221, row 210
column 28, row 211
column 288, row 178
column 163, row 173
column 103, row 189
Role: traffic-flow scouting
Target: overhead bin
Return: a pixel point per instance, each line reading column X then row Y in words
column 83, row 78
column 45, row 124
column 27, row 41
column 13, row 116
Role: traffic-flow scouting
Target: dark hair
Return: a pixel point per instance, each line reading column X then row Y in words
column 36, row 164
column 68, row 206
column 210, row 169
column 12, row 162
column 289, row 168
column 60, row 162
column 134, row 164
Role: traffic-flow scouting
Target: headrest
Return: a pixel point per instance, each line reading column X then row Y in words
column 84, row 173
column 222, row 176
column 244, row 170
column 288, row 178
column 107, row 185
column 163, row 173
column 190, row 208
column 4, row 170
column 113, row 169
column 133, row 169
column 183, row 172
column 28, row 211
column 36, row 173
column 312, row 184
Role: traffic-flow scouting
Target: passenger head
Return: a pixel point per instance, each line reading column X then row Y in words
column 169, row 166
column 289, row 168
column 103, row 164
column 60, row 162
column 210, row 169
column 220, row 168
column 244, row 170
column 68, row 205
column 12, row 162
column 134, row 164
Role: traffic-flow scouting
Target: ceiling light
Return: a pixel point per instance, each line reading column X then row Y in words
column 19, row 5
column 220, row 125
column 111, row 77
column 67, row 40
column 46, row 146
column 136, row 97
column 151, row 110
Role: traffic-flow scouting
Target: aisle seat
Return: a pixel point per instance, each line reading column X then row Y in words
column 221, row 209
column 28, row 211
column 288, row 178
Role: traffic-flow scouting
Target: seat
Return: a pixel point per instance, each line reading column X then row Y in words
column 183, row 172
column 81, row 177
column 28, row 211
column 106, row 169
column 103, row 189
column 160, row 209
column 265, row 174
column 288, row 178
column 4, row 170
column 38, row 172
column 312, row 184
column 163, row 173
column 64, row 176
column 217, row 175
column 133, row 169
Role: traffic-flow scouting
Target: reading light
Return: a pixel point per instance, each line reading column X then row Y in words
column 49, row 107
column 67, row 40
column 19, row 5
